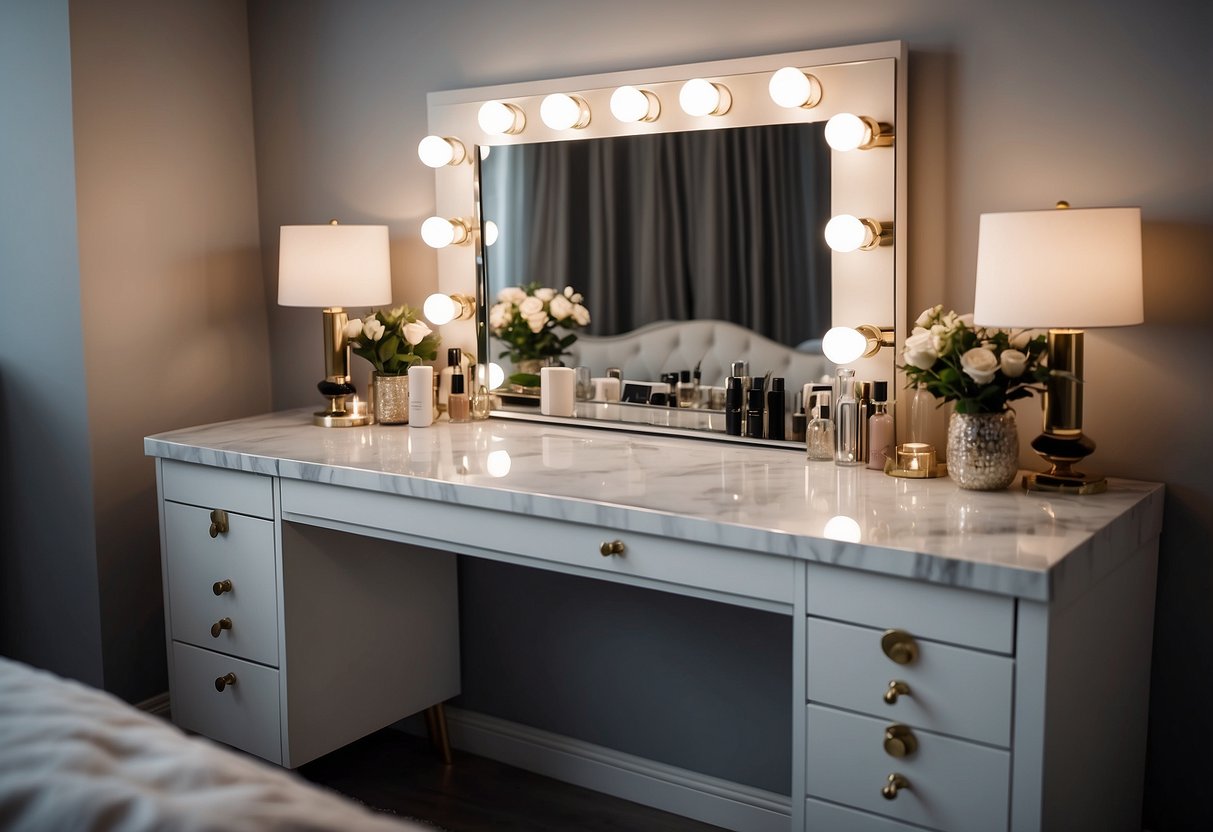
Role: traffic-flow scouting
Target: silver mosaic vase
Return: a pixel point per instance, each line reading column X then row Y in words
column 391, row 399
column 983, row 450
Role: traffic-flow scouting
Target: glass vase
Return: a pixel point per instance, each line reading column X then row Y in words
column 983, row 450
column 391, row 399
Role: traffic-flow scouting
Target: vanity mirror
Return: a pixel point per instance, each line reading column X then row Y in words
column 766, row 267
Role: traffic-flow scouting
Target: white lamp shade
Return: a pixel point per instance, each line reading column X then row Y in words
column 334, row 265
column 1070, row 268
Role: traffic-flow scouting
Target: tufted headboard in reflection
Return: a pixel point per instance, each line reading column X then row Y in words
column 670, row 346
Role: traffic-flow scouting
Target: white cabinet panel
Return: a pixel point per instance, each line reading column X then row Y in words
column 202, row 485
column 827, row 817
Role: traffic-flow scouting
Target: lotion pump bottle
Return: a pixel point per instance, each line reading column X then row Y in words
column 880, row 428
column 421, row 396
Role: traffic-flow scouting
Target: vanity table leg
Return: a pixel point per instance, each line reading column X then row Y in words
column 435, row 723
column 800, row 697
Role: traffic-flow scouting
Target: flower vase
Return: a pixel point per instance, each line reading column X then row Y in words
column 391, row 399
column 983, row 450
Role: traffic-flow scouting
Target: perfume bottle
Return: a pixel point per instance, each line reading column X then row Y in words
column 819, row 435
column 846, row 420
column 880, row 427
column 458, row 407
column 919, row 407
column 688, row 390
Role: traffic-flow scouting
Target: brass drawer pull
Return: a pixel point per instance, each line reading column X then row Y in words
column 219, row 626
column 224, row 681
column 218, row 522
column 220, row 587
column 899, row 646
column 611, row 547
column 896, row 688
column 899, row 741
column 895, row 783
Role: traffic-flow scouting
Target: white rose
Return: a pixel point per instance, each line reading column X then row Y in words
column 979, row 364
column 395, row 312
column 545, row 294
column 939, row 338
column 536, row 322
column 920, row 349
column 966, row 319
column 581, row 315
column 511, row 294
column 415, row 332
column 530, row 306
column 353, row 328
column 1012, row 363
column 561, row 307
column 373, row 329
column 499, row 315
column 1020, row 339
column 927, row 315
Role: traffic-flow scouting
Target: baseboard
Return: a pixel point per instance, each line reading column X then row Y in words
column 158, row 705
column 687, row 793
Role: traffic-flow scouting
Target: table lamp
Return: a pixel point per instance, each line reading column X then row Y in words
column 1066, row 270
column 333, row 266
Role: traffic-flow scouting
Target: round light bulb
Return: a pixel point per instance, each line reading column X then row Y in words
column 843, row 528
column 846, row 233
column 438, row 232
column 847, row 131
column 437, row 151
column 699, row 97
column 843, row 344
column 496, row 375
column 490, row 232
column 439, row 309
column 629, row 105
column 564, row 112
column 497, row 117
column 792, row 88
column 498, row 463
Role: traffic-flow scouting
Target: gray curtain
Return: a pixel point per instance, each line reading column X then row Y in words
column 712, row 224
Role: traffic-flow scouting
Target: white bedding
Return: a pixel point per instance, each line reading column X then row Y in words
column 75, row 758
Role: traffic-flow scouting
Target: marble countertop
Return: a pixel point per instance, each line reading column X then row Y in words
column 1037, row 546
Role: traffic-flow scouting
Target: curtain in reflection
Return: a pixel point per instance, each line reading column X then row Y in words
column 713, row 224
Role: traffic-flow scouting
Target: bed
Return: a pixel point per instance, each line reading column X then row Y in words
column 76, row 758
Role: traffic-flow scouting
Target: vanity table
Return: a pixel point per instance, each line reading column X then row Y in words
column 961, row 660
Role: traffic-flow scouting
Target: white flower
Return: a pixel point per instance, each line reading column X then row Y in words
column 499, row 315
column 530, row 306
column 511, row 294
column 373, row 329
column 966, row 319
column 1020, row 339
column 581, row 315
column 939, row 338
column 979, row 364
column 545, row 294
column 353, row 328
column 927, row 315
column 1012, row 363
column 920, row 349
column 415, row 332
column 395, row 312
column 561, row 307
column 537, row 321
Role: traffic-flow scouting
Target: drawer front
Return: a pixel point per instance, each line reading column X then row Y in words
column 941, row 613
column 649, row 557
column 951, row 689
column 244, row 715
column 195, row 561
column 828, row 817
column 204, row 485
column 953, row 786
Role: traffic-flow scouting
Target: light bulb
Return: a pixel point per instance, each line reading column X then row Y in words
column 564, row 112
column 629, row 104
column 847, row 131
column 497, row 117
column 496, row 375
column 439, row 232
column 438, row 151
column 847, row 233
column 841, row 344
column 439, row 309
column 704, row 98
column 790, row 87
column 843, row 528
column 490, row 232
column 498, row 463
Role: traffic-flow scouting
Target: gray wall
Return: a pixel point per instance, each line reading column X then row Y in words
column 1013, row 106
column 48, row 576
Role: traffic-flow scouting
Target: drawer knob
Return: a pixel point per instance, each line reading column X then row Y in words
column 219, row 626
column 896, row 688
column 899, row 741
column 899, row 646
column 220, row 587
column 893, row 785
column 224, row 681
column 612, row 547
column 218, row 522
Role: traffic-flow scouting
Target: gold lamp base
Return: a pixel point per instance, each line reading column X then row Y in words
column 1077, row 483
column 339, row 419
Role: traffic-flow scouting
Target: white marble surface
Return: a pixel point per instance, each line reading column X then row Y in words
column 1035, row 546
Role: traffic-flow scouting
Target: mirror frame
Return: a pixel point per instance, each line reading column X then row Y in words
column 867, row 287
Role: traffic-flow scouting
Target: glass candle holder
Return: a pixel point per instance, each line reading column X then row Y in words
column 916, row 456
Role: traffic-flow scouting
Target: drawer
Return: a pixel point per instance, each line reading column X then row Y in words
column 828, row 817
column 951, row 689
column 204, row 485
column 244, row 715
column 941, row 613
column 952, row 784
column 647, row 557
column 195, row 562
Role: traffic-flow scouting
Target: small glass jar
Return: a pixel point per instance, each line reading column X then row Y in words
column 819, row 436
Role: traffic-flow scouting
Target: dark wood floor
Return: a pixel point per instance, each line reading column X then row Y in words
column 394, row 771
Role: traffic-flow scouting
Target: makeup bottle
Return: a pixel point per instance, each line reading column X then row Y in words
column 819, row 436
column 733, row 406
column 846, row 420
column 421, row 396
column 863, row 398
column 741, row 369
column 776, row 410
column 880, row 427
column 800, row 420
column 454, row 359
column 688, row 392
column 754, row 411
column 457, row 406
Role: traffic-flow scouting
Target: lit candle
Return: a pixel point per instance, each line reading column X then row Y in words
column 355, row 407
column 916, row 456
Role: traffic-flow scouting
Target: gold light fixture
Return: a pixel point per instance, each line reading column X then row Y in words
column 440, row 232
column 561, row 111
column 844, row 344
column 847, row 131
column 1065, row 270
column 632, row 104
column 440, row 308
column 791, row 87
column 440, row 151
column 501, row 118
column 846, row 233
column 700, row 97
